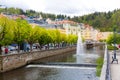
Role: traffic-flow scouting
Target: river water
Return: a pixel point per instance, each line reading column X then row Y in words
column 52, row 72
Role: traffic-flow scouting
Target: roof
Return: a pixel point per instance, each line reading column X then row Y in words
column 64, row 22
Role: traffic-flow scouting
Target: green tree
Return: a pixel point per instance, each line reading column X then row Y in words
column 21, row 32
column 6, row 31
column 42, row 37
column 58, row 37
column 34, row 33
column 72, row 39
column 110, row 39
column 48, row 38
column 53, row 36
column 63, row 39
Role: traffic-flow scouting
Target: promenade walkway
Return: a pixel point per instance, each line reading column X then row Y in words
column 114, row 67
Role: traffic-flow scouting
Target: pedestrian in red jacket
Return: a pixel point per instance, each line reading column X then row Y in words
column 6, row 50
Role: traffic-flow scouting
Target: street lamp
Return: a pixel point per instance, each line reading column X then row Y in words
column 114, row 40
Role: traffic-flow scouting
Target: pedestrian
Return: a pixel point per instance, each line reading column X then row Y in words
column 27, row 49
column 6, row 50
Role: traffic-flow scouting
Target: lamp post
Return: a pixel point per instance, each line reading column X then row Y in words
column 114, row 43
column 114, row 40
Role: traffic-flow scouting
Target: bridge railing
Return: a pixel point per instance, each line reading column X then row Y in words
column 105, row 73
column 108, row 73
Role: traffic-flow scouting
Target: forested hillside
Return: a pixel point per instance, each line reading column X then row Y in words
column 101, row 20
column 32, row 13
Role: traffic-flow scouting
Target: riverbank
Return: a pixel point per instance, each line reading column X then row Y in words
column 13, row 61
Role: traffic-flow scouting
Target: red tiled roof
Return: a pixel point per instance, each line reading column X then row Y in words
column 64, row 22
column 88, row 26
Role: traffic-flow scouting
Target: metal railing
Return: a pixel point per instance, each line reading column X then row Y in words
column 105, row 72
column 108, row 73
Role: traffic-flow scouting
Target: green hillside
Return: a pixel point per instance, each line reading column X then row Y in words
column 101, row 20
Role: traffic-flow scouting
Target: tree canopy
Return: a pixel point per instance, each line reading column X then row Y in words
column 104, row 21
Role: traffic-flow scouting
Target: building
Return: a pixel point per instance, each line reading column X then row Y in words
column 104, row 35
column 89, row 33
column 70, row 27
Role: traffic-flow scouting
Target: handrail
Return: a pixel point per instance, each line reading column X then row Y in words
column 105, row 72
column 108, row 73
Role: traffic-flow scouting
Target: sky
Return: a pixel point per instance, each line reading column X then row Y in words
column 68, row 7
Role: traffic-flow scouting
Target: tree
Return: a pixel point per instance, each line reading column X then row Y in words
column 42, row 37
column 53, row 36
column 21, row 32
column 63, row 39
column 48, row 38
column 58, row 37
column 34, row 33
column 6, row 31
column 110, row 39
column 71, row 39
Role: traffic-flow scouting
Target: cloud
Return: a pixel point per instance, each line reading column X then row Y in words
column 37, row 5
column 13, row 3
column 69, row 7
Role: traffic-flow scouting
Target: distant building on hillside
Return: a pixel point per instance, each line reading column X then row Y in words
column 66, row 26
column 105, row 35
column 89, row 33
column 71, row 27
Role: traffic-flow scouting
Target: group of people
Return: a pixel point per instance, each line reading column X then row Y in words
column 23, row 47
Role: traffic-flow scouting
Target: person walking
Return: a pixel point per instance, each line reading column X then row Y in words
column 28, row 49
column 6, row 50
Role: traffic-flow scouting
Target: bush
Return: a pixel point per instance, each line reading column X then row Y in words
column 102, row 40
column 99, row 63
column 111, row 47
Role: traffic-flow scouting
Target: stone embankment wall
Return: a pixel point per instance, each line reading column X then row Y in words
column 13, row 61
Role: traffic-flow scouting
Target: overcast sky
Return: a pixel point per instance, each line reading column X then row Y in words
column 68, row 7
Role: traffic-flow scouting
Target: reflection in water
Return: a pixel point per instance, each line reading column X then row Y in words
column 50, row 74
column 67, row 57
column 89, row 56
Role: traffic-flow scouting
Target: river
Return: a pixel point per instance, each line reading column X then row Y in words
column 52, row 72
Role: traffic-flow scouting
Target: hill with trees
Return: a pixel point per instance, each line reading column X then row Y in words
column 101, row 20
column 32, row 13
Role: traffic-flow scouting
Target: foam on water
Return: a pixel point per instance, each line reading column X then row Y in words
column 51, row 66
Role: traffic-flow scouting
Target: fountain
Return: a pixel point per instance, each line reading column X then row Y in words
column 80, row 46
column 80, row 50
column 81, row 55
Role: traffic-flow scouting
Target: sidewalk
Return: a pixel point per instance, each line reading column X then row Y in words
column 114, row 67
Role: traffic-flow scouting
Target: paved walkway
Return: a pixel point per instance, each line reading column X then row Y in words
column 114, row 67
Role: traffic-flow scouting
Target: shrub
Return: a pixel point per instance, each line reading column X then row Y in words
column 99, row 63
column 111, row 47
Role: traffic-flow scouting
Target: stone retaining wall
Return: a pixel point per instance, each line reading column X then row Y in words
column 9, row 62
